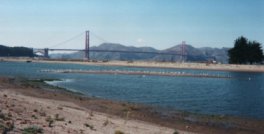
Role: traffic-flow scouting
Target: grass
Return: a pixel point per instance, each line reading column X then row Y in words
column 60, row 108
column 32, row 130
column 34, row 116
column 6, row 127
column 9, row 115
column 42, row 113
column 58, row 118
column 90, row 126
column 91, row 113
column 119, row 132
column 50, row 121
column 6, row 124
column 106, row 123
column 2, row 126
column 175, row 132
column 5, row 117
column 2, row 116
column 133, row 108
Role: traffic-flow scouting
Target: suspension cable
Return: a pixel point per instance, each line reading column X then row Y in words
column 68, row 40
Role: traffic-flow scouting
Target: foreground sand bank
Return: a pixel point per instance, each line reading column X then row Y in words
column 28, row 111
column 177, row 65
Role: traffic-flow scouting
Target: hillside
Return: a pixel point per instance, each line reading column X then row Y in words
column 15, row 51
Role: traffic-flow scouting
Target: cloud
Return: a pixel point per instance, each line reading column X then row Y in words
column 141, row 41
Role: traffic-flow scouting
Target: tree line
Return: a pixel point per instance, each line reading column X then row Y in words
column 16, row 51
column 246, row 52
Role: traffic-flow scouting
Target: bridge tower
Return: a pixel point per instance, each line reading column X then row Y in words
column 46, row 53
column 183, row 51
column 87, row 45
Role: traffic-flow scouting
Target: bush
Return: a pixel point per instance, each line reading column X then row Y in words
column 32, row 130
column 50, row 121
column 90, row 126
column 57, row 118
column 119, row 132
column 175, row 132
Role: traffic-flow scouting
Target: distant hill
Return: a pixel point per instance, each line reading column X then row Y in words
column 112, row 56
column 122, row 56
column 193, row 54
column 196, row 54
column 16, row 51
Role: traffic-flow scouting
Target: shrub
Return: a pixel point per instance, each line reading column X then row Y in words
column 34, row 116
column 57, row 118
column 175, row 132
column 119, row 132
column 90, row 126
column 32, row 130
column 106, row 123
column 50, row 121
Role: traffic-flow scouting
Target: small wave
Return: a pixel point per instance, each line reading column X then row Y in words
column 60, row 81
column 57, row 84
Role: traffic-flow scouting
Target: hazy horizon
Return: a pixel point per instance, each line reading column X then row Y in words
column 154, row 23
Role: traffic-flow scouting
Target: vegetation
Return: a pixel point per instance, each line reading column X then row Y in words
column 16, row 51
column 119, row 132
column 50, row 121
column 106, row 123
column 32, row 130
column 6, row 124
column 246, row 52
column 90, row 126
column 175, row 132
column 58, row 118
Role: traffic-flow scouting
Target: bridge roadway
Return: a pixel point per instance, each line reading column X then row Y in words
column 115, row 51
column 118, row 51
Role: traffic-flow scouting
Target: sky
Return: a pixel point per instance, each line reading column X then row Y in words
column 156, row 23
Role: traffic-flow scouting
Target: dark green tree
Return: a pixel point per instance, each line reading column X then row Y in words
column 238, row 53
column 255, row 52
column 245, row 52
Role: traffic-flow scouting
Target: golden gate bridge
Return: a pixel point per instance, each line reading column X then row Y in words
column 87, row 50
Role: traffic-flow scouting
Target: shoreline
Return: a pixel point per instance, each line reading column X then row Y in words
column 152, row 64
column 183, row 122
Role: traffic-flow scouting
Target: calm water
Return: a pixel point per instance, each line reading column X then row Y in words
column 239, row 96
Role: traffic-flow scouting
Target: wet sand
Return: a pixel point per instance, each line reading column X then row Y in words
column 34, row 103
